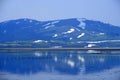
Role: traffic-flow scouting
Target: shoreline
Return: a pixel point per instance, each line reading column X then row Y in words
column 60, row 48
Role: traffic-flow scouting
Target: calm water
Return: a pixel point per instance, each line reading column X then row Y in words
column 60, row 65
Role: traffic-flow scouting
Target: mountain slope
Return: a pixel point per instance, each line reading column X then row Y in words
column 73, row 30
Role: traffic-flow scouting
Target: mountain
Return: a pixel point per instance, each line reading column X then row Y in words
column 75, row 32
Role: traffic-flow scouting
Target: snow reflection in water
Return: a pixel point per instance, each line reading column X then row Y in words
column 59, row 65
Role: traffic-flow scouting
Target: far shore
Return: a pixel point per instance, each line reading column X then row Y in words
column 117, row 48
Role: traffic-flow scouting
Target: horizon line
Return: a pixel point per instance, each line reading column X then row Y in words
column 58, row 20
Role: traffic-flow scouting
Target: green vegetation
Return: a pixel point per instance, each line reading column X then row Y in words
column 56, row 44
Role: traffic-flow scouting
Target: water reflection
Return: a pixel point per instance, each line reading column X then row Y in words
column 59, row 65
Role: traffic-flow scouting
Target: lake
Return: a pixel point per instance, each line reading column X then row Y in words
column 60, row 65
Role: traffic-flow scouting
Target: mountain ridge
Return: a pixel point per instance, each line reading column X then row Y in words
column 74, row 30
column 57, row 20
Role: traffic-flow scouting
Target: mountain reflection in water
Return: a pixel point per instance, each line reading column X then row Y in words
column 59, row 65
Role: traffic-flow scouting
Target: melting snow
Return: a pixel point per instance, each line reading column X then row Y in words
column 91, row 45
column 71, row 63
column 55, row 35
column 81, row 35
column 37, row 41
column 54, row 22
column 49, row 26
column 77, row 29
column 70, row 31
column 70, row 38
column 101, row 33
column 94, row 42
column 51, row 23
column 82, row 24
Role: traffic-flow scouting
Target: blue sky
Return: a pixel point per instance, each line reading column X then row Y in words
column 102, row 10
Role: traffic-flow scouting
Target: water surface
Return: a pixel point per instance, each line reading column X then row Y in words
column 59, row 65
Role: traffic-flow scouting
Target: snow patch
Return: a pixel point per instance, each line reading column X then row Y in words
column 54, row 22
column 77, row 29
column 70, row 38
column 101, row 34
column 51, row 23
column 81, row 35
column 90, row 45
column 70, row 31
column 94, row 42
column 49, row 26
column 82, row 24
column 55, row 35
column 38, row 41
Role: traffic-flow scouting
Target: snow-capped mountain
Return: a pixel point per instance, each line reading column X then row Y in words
column 73, row 30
